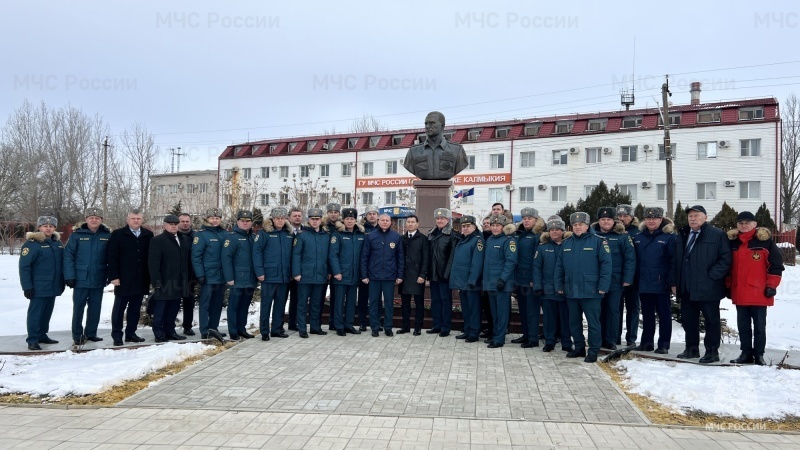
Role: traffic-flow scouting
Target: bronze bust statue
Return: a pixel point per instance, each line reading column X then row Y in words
column 436, row 159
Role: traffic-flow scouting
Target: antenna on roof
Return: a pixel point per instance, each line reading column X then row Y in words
column 628, row 98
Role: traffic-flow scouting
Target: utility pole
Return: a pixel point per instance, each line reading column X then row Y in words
column 665, row 94
column 105, row 176
column 176, row 152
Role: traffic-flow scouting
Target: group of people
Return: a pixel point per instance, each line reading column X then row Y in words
column 600, row 272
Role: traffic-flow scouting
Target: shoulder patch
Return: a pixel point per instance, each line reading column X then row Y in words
column 480, row 246
column 227, row 243
column 294, row 242
column 512, row 246
column 196, row 240
column 25, row 251
column 256, row 238
column 333, row 239
column 605, row 247
column 392, row 245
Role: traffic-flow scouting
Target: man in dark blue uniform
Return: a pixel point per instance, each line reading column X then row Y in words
column 237, row 268
column 629, row 305
column 499, row 264
column 464, row 270
column 331, row 221
column 207, row 266
column 310, row 269
column 382, row 268
column 530, row 304
column 554, row 305
column 272, row 259
column 370, row 224
column 345, row 260
column 296, row 222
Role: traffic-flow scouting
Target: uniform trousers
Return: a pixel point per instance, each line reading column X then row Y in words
column 211, row 299
column 609, row 317
column 442, row 306
column 187, row 304
column 344, row 307
column 590, row 307
column 530, row 307
column 273, row 299
column 89, row 299
column 556, row 317
column 652, row 305
column 500, row 303
column 40, row 310
column 381, row 291
column 308, row 303
column 238, row 305
column 630, row 303
column 471, row 312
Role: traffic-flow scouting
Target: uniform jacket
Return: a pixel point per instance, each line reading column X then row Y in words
column 41, row 263
column 466, row 262
column 127, row 261
column 310, row 256
column 757, row 264
column 623, row 255
column 583, row 267
column 368, row 227
column 382, row 258
column 441, row 243
column 654, row 253
column 344, row 254
column 705, row 267
column 417, row 263
column 168, row 263
column 500, row 260
column 207, row 253
column 527, row 243
column 272, row 253
column 237, row 258
column 634, row 228
column 439, row 163
column 86, row 257
column 544, row 267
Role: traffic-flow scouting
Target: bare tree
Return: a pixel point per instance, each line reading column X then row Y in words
column 367, row 123
column 139, row 151
column 23, row 134
column 790, row 161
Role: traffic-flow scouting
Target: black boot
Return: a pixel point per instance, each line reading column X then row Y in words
column 744, row 358
column 759, row 360
column 711, row 356
column 689, row 353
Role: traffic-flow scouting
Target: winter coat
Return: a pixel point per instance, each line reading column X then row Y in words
column 544, row 267
column 500, row 260
column 417, row 263
column 441, row 243
column 634, row 228
column 584, row 266
column 527, row 243
column 207, row 254
column 237, row 258
column 41, row 263
column 757, row 265
column 382, row 258
column 344, row 254
column 168, row 264
column 189, row 235
column 702, row 272
column 272, row 253
column 310, row 256
column 465, row 266
column 86, row 257
column 127, row 261
column 368, row 227
column 654, row 253
column 623, row 255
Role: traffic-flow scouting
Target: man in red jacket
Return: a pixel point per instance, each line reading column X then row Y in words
column 754, row 277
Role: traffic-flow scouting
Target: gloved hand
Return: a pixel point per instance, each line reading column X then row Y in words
column 501, row 284
column 157, row 285
column 29, row 293
column 201, row 280
column 70, row 283
column 470, row 286
column 538, row 292
column 770, row 292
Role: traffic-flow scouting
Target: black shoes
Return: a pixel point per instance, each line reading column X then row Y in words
column 417, row 332
column 34, row 347
column 530, row 344
column 375, row 333
column 279, row 335
column 759, row 360
column 461, row 336
column 293, row 328
column 444, row 334
column 189, row 332
column 80, row 341
column 319, row 332
column 403, row 331
column 389, row 333
column 264, row 337
column 362, row 328
column 341, row 333
column 118, row 343
column 548, row 348
column 160, row 340
column 744, row 358
column 47, row 340
column 609, row 346
column 215, row 334
column 566, row 349
column 433, row 331
column 246, row 335
column 519, row 340
column 711, row 356
column 303, row 334
column 590, row 358
column 470, row 340
column 493, row 345
column 645, row 348
column 352, row 330
column 576, row 353
column 662, row 351
column 134, row 338
column 176, row 337
column 94, row 339
column 689, row 353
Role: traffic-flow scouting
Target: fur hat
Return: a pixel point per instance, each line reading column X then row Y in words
column 579, row 217
column 654, row 212
column 315, row 212
column 244, row 214
column 371, row 208
column 333, row 207
column 468, row 220
column 349, row 212
column 441, row 212
column 625, row 209
column 556, row 223
column 606, row 212
column 277, row 213
column 93, row 212
column 46, row 220
column 501, row 219
column 529, row 212
column 213, row 212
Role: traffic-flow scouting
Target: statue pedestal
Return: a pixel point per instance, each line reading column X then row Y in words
column 431, row 194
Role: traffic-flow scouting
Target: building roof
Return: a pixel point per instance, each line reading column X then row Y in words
column 185, row 173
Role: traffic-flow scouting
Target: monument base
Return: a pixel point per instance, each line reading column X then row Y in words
column 431, row 194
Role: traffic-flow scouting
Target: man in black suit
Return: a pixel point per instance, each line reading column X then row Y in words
column 168, row 262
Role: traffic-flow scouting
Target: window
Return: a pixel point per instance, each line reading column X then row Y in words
column 283, row 198
column 532, row 129
column 662, row 155
column 471, row 159
column 203, row 188
column 750, row 147
column 191, row 188
column 632, row 122
column 367, row 169
column 302, row 198
column 558, row 194
column 292, row 146
column 448, row 135
column 628, row 189
column 264, row 199
column 273, row 147
column 397, row 139
column 526, row 194
column 351, row 143
column 628, row 153
column 559, row 157
column 246, row 202
column 502, row 132
column 661, row 191
column 593, row 155
column 749, row 189
column 588, row 189
column 284, row 171
column 708, row 116
column 674, row 119
column 322, row 198
column 751, row 113
column 161, row 189
column 706, row 191
column 597, row 125
column 706, row 150
column 496, row 195
column 497, row 160
column 324, row 170
column 346, row 170
column 173, row 188
column 265, row 172
column 246, row 172
column 391, row 167
column 227, row 173
column 527, row 159
column 373, row 141
column 468, row 200
column 421, row 139
column 474, row 134
column 346, row 198
column 253, row 149
column 310, row 145
column 563, row 128
column 366, row 198
column 329, row 145
column 390, row 197
column 304, row 171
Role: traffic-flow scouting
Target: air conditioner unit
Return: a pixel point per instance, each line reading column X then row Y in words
column 509, row 187
column 606, row 151
column 311, row 166
column 723, row 143
column 647, row 148
column 274, row 168
column 730, row 183
column 235, row 169
column 416, row 141
column 574, row 150
column 401, row 161
column 646, row 185
column 352, row 164
column 542, row 187
column 325, row 146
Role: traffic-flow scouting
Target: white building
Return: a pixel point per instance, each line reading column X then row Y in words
column 722, row 152
column 196, row 190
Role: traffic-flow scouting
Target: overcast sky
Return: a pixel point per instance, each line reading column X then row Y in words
column 202, row 75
